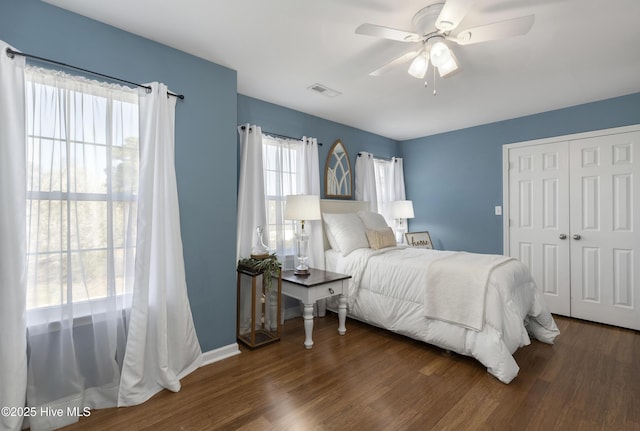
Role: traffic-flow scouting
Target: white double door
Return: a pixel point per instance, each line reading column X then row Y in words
column 573, row 216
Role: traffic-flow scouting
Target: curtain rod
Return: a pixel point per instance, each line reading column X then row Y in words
column 388, row 159
column 11, row 53
column 278, row 135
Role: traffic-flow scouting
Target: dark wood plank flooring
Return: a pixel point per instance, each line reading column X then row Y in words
column 371, row 379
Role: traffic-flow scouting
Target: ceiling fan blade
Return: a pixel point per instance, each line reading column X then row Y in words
column 495, row 31
column 387, row 33
column 452, row 13
column 393, row 63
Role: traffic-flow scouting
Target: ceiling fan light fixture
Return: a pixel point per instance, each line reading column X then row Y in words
column 449, row 67
column 440, row 54
column 419, row 65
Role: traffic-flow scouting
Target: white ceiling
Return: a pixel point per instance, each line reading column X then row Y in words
column 577, row 51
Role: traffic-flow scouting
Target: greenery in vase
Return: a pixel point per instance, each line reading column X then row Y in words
column 269, row 266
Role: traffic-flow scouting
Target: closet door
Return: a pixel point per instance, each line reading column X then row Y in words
column 538, row 204
column 605, row 220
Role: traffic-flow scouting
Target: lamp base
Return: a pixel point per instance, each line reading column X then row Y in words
column 302, row 272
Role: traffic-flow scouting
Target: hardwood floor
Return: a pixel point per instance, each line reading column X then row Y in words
column 371, row 379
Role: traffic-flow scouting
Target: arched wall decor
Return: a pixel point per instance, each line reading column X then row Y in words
column 337, row 175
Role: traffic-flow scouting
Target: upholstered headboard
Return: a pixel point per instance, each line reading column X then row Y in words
column 337, row 206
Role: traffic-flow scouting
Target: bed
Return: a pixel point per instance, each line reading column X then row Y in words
column 483, row 306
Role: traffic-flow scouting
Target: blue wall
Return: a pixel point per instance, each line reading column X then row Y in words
column 455, row 178
column 205, row 140
column 283, row 121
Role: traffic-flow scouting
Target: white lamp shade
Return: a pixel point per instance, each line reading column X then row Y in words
column 439, row 54
column 302, row 207
column 447, row 68
column 419, row 66
column 402, row 209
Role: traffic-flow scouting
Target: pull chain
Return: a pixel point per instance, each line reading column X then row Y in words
column 434, row 82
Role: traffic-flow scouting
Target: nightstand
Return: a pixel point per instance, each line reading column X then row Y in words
column 318, row 284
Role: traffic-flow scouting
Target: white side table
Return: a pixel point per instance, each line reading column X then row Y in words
column 318, row 284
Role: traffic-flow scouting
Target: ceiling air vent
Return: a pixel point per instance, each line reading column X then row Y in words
column 325, row 91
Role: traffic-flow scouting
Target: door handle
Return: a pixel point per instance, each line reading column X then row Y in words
column 576, row 237
column 562, row 236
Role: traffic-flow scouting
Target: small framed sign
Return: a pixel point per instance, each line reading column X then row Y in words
column 419, row 239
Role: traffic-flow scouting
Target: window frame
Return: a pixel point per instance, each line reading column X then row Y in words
column 81, row 308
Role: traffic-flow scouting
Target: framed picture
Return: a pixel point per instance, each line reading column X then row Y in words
column 419, row 239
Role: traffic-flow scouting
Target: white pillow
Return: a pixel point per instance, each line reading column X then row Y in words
column 347, row 230
column 373, row 220
column 332, row 241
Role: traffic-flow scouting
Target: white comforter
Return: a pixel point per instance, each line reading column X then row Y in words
column 387, row 289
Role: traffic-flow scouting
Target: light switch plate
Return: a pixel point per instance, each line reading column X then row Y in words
column 498, row 209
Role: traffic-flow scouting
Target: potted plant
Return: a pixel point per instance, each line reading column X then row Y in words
column 269, row 266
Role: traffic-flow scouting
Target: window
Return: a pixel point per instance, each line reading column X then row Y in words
column 82, row 179
column 385, row 178
column 384, row 187
column 280, row 169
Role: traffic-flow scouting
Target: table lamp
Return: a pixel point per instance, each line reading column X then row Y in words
column 401, row 210
column 302, row 208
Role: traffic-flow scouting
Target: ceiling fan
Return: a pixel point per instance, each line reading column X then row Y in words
column 434, row 27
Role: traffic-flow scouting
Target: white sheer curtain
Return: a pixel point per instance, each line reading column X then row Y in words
column 82, row 152
column 251, row 190
column 396, row 192
column 13, row 345
column 379, row 182
column 68, row 251
column 366, row 180
column 308, row 180
column 162, row 345
column 281, row 164
column 290, row 167
column 389, row 179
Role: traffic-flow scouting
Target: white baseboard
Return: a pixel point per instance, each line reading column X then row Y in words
column 219, row 354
